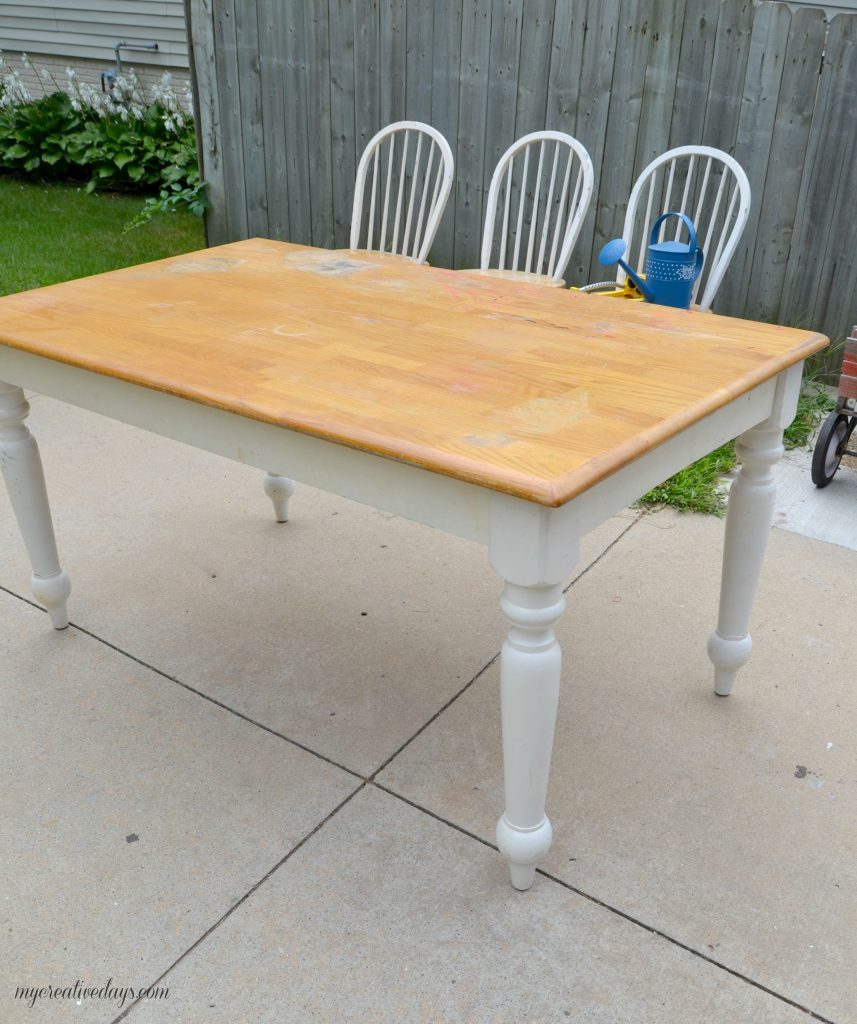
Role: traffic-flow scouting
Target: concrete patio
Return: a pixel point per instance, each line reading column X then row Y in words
column 262, row 768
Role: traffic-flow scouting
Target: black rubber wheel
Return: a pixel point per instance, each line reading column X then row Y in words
column 829, row 446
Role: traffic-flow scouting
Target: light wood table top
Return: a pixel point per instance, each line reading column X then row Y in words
column 536, row 392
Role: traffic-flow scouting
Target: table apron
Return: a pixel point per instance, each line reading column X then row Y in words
column 616, row 492
column 454, row 506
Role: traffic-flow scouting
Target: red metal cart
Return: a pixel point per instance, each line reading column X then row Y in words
column 832, row 441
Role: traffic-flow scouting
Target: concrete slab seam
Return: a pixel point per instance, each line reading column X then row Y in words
column 619, row 913
column 243, row 899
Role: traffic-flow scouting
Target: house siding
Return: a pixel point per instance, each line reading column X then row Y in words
column 87, row 30
column 82, row 34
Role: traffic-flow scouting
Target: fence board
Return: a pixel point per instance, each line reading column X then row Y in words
column 659, row 87
column 252, row 134
column 832, row 128
column 317, row 43
column 367, row 73
column 342, row 126
column 200, row 21
column 623, row 119
column 394, row 53
column 834, row 297
column 444, row 109
column 566, row 58
column 472, row 120
column 596, row 77
column 777, row 206
column 274, row 116
column 502, row 87
column 420, row 54
column 693, row 73
column 765, row 64
column 285, row 114
column 231, row 138
column 728, row 67
column 533, row 70
column 296, row 125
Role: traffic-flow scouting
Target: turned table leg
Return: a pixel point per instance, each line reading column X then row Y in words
column 530, row 665
column 25, row 482
column 279, row 489
column 748, row 524
column 532, row 549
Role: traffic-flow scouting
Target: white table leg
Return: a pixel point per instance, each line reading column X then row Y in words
column 279, row 489
column 533, row 549
column 748, row 524
column 25, row 482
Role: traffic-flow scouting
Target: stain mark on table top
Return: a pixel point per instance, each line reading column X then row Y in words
column 329, row 264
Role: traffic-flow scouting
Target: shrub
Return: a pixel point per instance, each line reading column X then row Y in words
column 117, row 140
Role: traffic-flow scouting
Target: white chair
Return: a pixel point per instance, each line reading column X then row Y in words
column 712, row 189
column 418, row 173
column 411, row 164
column 545, row 180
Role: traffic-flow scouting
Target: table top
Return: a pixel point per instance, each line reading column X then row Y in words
column 536, row 392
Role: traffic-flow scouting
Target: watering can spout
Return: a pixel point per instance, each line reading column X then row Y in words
column 647, row 293
column 612, row 253
column 643, row 288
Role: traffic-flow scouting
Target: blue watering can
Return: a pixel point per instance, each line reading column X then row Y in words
column 671, row 267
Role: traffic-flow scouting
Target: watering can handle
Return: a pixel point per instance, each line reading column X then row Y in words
column 691, row 229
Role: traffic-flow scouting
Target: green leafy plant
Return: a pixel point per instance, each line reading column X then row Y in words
column 35, row 136
column 813, row 404
column 698, row 487
column 117, row 141
column 176, row 196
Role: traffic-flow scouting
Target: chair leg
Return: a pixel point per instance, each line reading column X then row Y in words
column 25, row 482
column 279, row 489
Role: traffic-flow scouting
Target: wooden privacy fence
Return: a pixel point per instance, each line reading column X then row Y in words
column 290, row 92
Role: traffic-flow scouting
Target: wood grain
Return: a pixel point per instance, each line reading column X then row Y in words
column 200, row 23
column 233, row 187
column 342, row 124
column 623, row 122
column 444, row 109
column 789, row 144
column 271, row 33
column 756, row 122
column 537, row 392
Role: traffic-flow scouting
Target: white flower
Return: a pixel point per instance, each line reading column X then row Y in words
column 14, row 92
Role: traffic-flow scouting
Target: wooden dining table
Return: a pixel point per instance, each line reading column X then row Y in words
column 517, row 416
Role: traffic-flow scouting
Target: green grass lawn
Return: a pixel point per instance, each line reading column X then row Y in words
column 51, row 233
